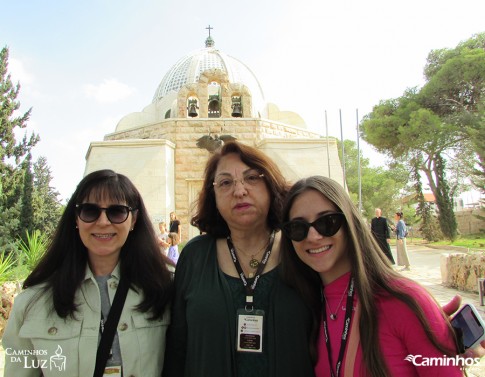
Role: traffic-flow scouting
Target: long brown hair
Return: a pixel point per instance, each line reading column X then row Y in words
column 371, row 269
column 208, row 219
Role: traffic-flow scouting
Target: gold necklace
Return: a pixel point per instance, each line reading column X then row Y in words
column 253, row 262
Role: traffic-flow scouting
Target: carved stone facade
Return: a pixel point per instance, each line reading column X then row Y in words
column 157, row 148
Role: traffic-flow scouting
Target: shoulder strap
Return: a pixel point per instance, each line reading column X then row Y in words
column 108, row 334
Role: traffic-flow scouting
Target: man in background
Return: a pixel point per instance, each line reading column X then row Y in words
column 382, row 234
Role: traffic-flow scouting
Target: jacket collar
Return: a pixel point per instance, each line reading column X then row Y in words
column 115, row 274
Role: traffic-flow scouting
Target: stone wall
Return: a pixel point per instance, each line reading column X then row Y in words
column 7, row 293
column 469, row 223
column 461, row 270
column 189, row 160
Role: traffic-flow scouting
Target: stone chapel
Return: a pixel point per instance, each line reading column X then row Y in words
column 206, row 97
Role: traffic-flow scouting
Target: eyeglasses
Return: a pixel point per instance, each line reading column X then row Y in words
column 116, row 214
column 327, row 225
column 249, row 180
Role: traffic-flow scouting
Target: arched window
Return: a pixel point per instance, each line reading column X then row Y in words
column 167, row 114
column 214, row 105
column 214, row 108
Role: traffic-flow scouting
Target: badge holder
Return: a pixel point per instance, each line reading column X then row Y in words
column 249, row 320
column 250, row 330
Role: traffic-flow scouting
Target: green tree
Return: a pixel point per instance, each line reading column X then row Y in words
column 432, row 128
column 45, row 202
column 380, row 188
column 455, row 91
column 417, row 137
column 12, row 154
column 27, row 211
column 477, row 138
column 429, row 227
column 9, row 225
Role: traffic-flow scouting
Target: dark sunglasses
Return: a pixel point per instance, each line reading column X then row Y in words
column 116, row 214
column 327, row 225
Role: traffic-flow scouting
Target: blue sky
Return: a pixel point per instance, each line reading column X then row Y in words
column 84, row 65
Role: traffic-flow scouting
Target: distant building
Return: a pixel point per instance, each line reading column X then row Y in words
column 413, row 201
column 204, row 98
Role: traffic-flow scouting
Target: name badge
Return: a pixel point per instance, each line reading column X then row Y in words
column 112, row 371
column 250, row 330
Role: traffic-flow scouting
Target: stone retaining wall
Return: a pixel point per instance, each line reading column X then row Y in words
column 468, row 222
column 7, row 293
column 461, row 270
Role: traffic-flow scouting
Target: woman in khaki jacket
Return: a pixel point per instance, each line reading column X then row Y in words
column 104, row 237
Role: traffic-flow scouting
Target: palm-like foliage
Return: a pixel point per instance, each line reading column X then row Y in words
column 32, row 249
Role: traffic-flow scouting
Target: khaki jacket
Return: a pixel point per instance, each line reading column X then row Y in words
column 37, row 340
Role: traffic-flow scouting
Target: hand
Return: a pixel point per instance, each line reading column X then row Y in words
column 449, row 309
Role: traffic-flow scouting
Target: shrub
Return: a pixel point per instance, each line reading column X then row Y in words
column 7, row 263
column 33, row 249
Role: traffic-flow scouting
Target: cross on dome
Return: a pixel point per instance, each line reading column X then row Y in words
column 209, row 42
column 209, row 28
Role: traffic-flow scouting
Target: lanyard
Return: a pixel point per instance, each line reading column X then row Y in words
column 101, row 330
column 345, row 331
column 250, row 287
column 109, row 328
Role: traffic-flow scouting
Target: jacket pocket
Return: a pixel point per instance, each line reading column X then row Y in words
column 56, row 344
column 143, row 344
column 150, row 334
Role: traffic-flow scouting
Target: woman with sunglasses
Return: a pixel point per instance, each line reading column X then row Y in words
column 368, row 319
column 103, row 259
column 232, row 315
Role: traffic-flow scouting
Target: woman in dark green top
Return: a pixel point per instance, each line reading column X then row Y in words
column 232, row 315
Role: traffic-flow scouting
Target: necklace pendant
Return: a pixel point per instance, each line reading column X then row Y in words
column 333, row 317
column 254, row 263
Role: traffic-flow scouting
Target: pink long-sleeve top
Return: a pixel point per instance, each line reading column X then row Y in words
column 400, row 335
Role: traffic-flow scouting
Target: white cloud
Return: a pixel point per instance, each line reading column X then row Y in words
column 18, row 71
column 109, row 91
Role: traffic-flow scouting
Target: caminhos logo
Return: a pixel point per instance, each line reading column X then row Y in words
column 445, row 361
column 33, row 359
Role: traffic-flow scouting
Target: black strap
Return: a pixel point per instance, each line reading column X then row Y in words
column 108, row 334
column 250, row 286
column 345, row 332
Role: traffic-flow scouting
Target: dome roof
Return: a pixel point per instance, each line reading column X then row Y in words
column 189, row 68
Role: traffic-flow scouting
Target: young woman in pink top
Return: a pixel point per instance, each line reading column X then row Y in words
column 368, row 319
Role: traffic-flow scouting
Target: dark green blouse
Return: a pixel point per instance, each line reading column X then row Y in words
column 202, row 336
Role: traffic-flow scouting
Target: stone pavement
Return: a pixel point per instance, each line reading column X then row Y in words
column 425, row 269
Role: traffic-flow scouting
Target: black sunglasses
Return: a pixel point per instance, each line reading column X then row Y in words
column 116, row 214
column 327, row 225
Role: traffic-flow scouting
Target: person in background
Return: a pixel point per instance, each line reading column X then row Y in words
column 174, row 226
column 368, row 319
column 401, row 248
column 232, row 315
column 162, row 238
column 173, row 250
column 104, row 244
column 382, row 234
